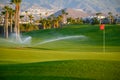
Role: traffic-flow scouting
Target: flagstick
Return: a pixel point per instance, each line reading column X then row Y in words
column 104, row 40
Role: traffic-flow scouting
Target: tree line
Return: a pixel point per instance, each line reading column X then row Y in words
column 109, row 19
column 12, row 19
column 13, row 15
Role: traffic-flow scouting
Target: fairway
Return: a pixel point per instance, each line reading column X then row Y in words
column 74, row 52
column 27, row 55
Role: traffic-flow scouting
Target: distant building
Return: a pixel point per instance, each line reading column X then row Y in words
column 36, row 11
column 102, row 16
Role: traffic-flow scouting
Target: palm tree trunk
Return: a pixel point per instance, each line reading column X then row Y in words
column 18, row 27
column 100, row 21
column 6, row 25
column 11, row 23
column 15, row 28
column 110, row 20
column 57, row 24
column 44, row 26
column 17, row 23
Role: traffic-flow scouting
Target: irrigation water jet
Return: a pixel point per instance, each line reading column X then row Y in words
column 60, row 38
column 21, row 39
column 25, row 41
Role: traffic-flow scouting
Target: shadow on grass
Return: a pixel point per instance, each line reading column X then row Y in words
column 81, row 49
column 42, row 78
column 39, row 48
column 62, row 70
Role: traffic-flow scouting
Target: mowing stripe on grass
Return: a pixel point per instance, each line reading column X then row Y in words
column 26, row 55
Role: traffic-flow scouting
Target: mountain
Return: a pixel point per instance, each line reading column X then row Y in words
column 89, row 6
column 74, row 13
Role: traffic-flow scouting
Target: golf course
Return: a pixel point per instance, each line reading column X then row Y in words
column 73, row 52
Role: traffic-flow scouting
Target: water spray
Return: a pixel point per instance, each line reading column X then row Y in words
column 60, row 38
column 22, row 41
column 25, row 41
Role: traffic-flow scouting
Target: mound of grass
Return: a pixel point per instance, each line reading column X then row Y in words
column 94, row 41
column 62, row 70
column 91, row 31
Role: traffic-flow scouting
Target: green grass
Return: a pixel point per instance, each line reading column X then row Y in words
column 93, row 43
column 92, row 31
column 70, row 59
column 62, row 70
column 32, row 55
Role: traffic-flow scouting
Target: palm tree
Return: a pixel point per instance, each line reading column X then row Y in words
column 21, row 17
column 60, row 18
column 64, row 15
column 54, row 23
column 17, row 12
column 26, row 12
column 11, row 13
column 3, row 22
column 57, row 22
column 110, row 17
column 0, row 18
column 44, row 23
column 40, row 16
column 6, row 10
column 52, row 16
column 69, row 20
column 98, row 14
column 116, row 18
column 31, row 18
column 49, row 24
column 46, row 14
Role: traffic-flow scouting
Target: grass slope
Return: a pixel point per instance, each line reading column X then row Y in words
column 91, row 31
column 70, row 59
column 62, row 70
column 93, row 43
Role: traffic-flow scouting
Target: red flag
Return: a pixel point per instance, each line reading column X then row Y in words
column 102, row 26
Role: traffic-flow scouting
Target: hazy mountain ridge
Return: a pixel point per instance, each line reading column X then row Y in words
column 74, row 13
column 89, row 6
